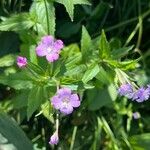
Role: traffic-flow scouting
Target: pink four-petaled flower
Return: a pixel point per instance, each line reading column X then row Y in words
column 50, row 48
column 65, row 101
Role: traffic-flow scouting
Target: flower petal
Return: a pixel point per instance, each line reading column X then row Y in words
column 48, row 40
column 55, row 56
column 74, row 100
column 41, row 50
column 64, row 91
column 66, row 109
column 58, row 44
column 56, row 102
column 49, row 57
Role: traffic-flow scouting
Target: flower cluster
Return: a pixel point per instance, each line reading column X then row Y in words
column 65, row 101
column 50, row 48
column 139, row 95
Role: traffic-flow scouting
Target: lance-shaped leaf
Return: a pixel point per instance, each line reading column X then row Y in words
column 104, row 48
column 91, row 72
column 17, row 22
column 86, row 43
column 11, row 136
column 17, row 81
column 69, row 5
column 37, row 96
column 44, row 12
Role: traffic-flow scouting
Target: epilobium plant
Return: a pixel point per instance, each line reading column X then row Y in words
column 71, row 81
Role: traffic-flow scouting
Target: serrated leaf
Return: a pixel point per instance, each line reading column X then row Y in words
column 125, row 65
column 7, row 60
column 18, row 81
column 69, row 7
column 73, row 60
column 45, row 24
column 11, row 135
column 91, row 72
column 76, row 71
column 104, row 48
column 17, row 22
column 37, row 96
column 86, row 43
column 103, row 76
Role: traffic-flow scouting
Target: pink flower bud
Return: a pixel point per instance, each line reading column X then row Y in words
column 54, row 139
column 21, row 61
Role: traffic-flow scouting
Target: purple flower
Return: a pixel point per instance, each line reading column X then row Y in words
column 54, row 139
column 141, row 94
column 21, row 61
column 148, row 87
column 64, row 101
column 50, row 48
column 126, row 90
column 136, row 115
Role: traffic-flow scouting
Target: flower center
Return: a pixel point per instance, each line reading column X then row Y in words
column 49, row 50
column 65, row 101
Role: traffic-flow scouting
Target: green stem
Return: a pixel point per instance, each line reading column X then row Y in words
column 47, row 16
column 73, row 137
column 57, row 122
column 132, row 35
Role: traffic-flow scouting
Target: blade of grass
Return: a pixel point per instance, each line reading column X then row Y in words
column 73, row 137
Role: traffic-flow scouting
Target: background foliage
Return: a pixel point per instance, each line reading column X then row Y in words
column 102, row 39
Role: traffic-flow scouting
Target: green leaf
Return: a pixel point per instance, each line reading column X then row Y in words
column 112, row 92
column 104, row 48
column 44, row 12
column 73, row 60
column 17, row 22
column 140, row 142
column 91, row 72
column 86, row 43
column 20, row 100
column 86, row 2
column 125, row 65
column 11, row 136
column 37, row 96
column 18, row 81
column 7, row 60
column 103, row 76
column 98, row 98
column 69, row 5
column 76, row 71
column 121, row 52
